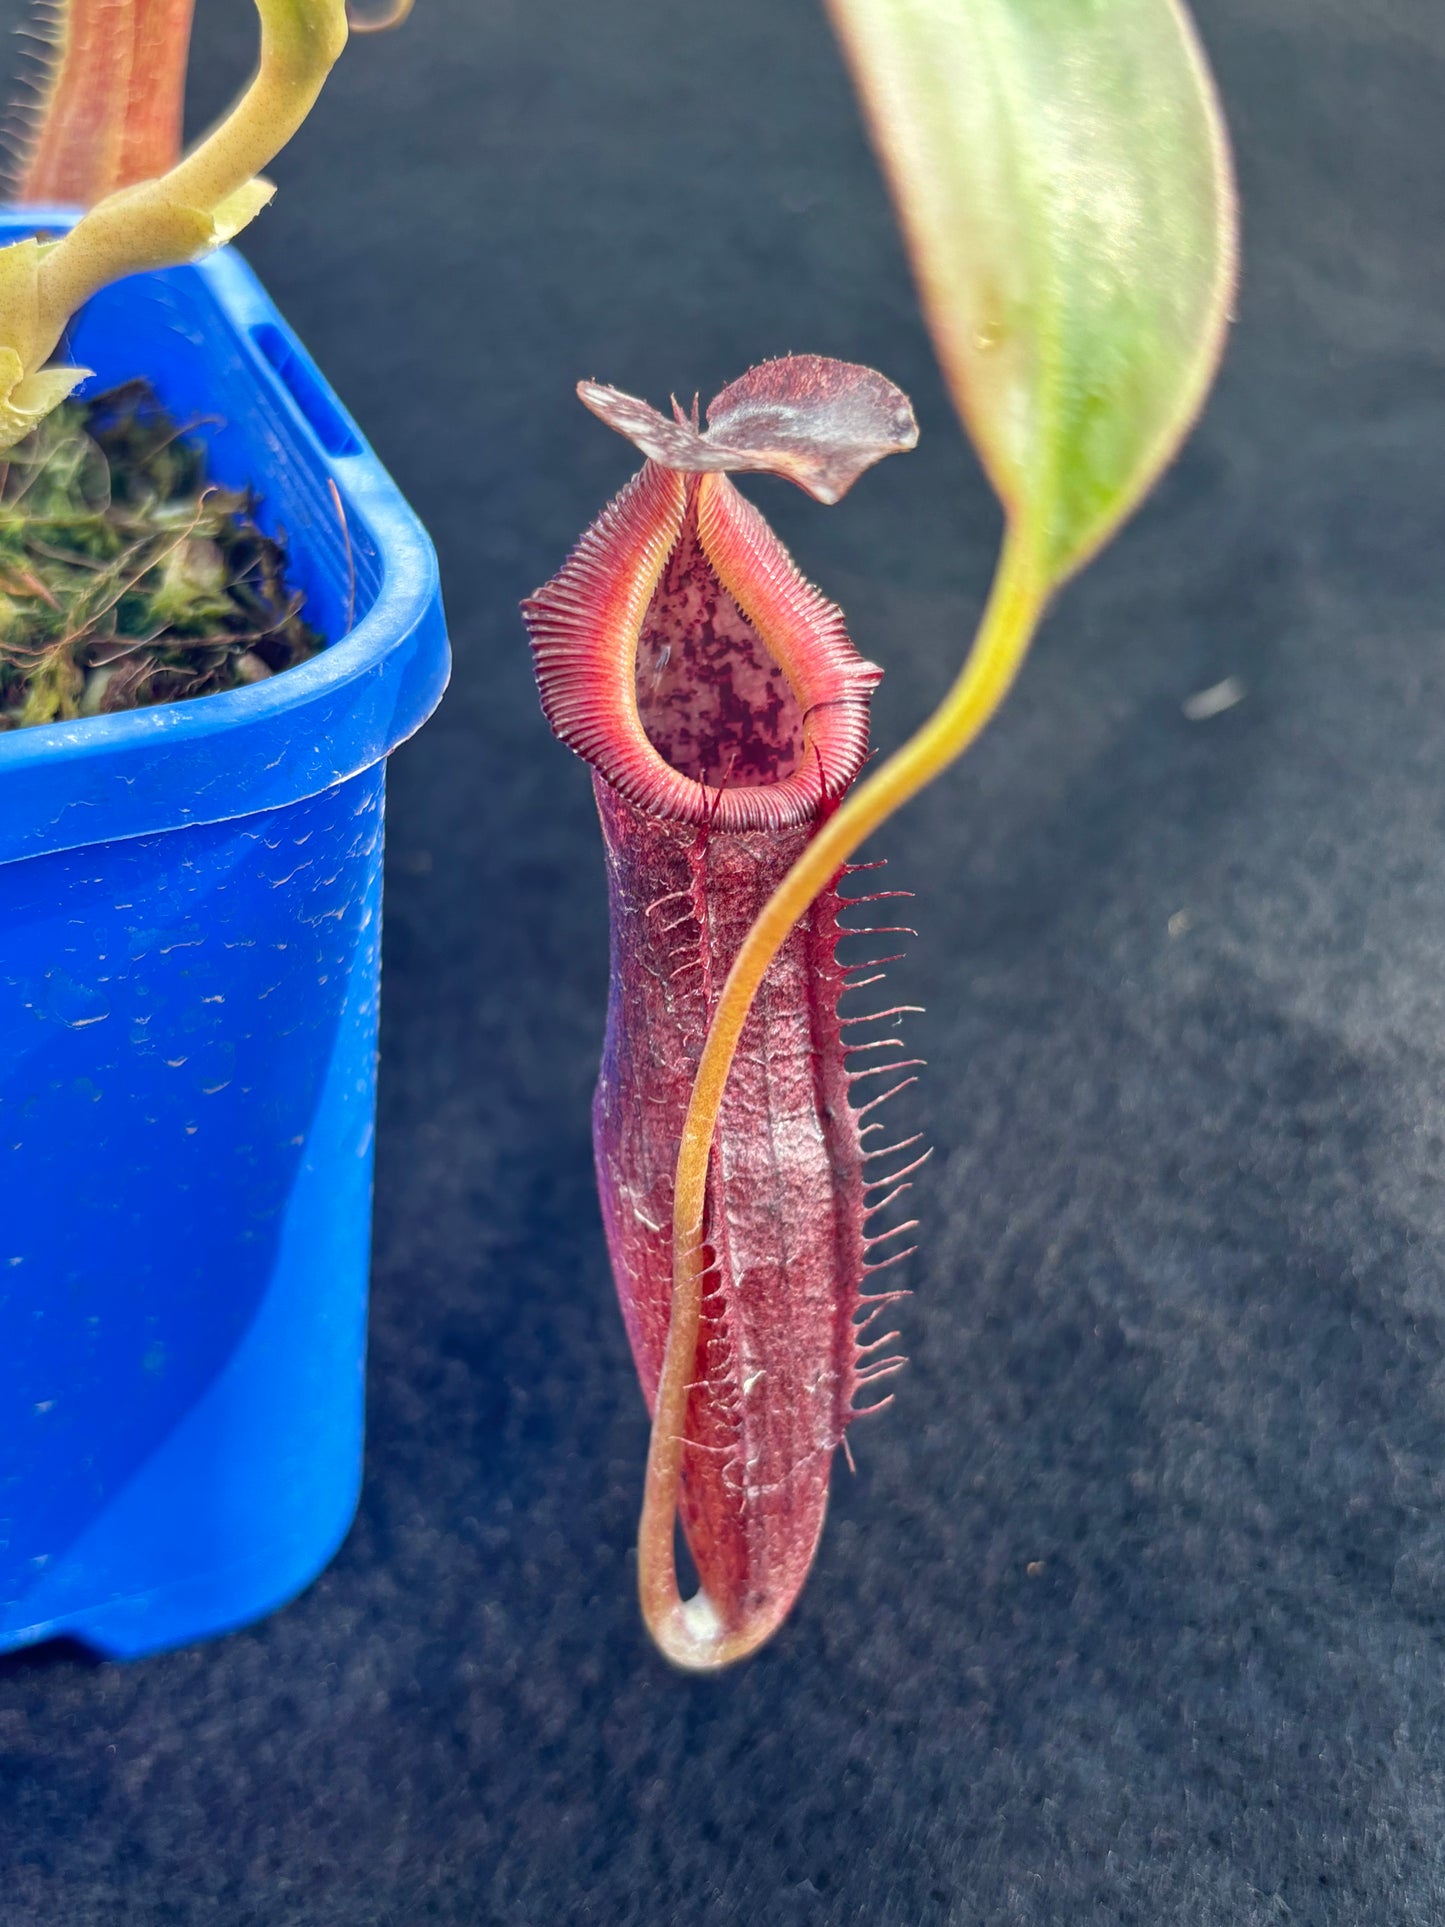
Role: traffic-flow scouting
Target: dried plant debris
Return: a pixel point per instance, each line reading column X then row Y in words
column 125, row 578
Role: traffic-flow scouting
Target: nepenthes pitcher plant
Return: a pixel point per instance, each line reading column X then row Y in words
column 1063, row 182
column 724, row 711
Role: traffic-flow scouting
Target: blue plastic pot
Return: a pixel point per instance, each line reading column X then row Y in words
column 190, row 904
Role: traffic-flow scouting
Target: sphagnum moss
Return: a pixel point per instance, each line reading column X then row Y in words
column 125, row 578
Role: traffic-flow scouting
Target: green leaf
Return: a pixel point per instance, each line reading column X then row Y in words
column 1062, row 176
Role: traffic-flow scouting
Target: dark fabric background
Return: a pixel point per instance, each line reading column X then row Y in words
column 1135, row 1611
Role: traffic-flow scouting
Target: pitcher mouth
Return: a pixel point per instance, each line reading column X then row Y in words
column 681, row 653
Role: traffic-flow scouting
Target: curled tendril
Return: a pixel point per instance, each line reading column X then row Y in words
column 361, row 21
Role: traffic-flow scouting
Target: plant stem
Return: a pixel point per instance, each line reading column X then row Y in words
column 152, row 224
column 690, row 1633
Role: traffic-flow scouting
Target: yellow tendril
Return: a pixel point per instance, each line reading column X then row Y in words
column 691, row 1633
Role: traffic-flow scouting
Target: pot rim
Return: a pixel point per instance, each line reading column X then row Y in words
column 217, row 757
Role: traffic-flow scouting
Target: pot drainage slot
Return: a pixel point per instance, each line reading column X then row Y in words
column 300, row 382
